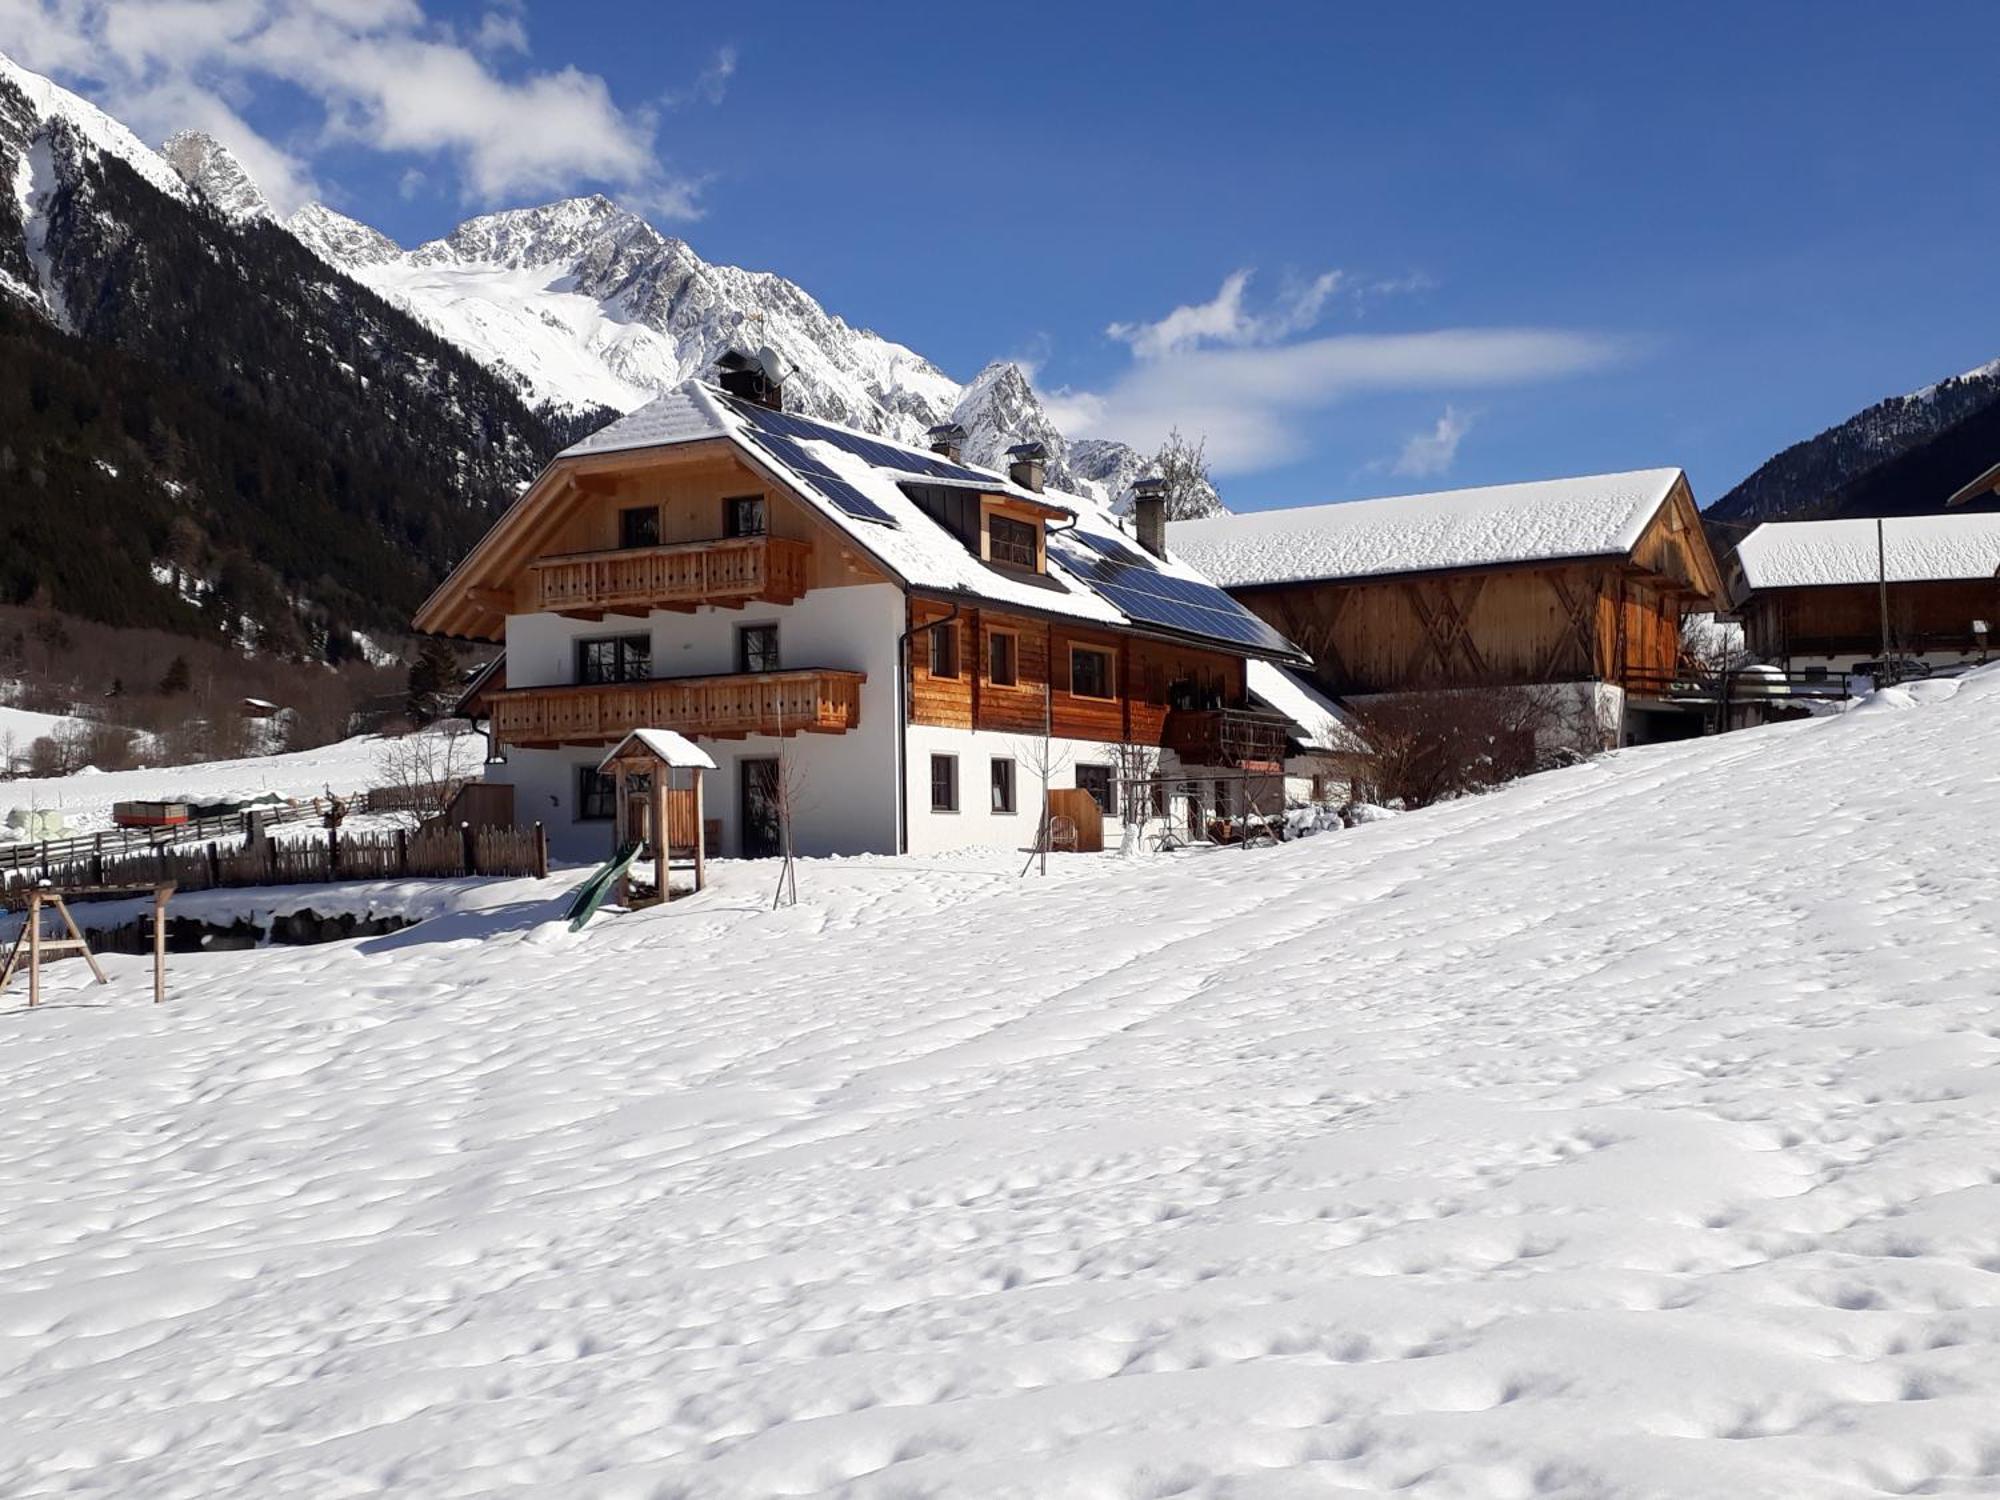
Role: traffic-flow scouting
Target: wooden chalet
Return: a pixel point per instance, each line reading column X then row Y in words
column 1578, row 581
column 1811, row 594
column 890, row 623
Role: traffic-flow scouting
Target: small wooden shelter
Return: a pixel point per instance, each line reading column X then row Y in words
column 652, row 810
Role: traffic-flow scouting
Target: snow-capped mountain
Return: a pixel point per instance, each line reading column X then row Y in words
column 1901, row 456
column 215, row 176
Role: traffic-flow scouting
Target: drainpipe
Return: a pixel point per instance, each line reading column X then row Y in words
column 903, row 669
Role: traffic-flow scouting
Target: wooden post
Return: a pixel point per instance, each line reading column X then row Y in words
column 700, row 836
column 214, row 864
column 403, row 852
column 662, row 835
column 34, row 949
column 97, row 859
column 332, row 852
column 160, row 895
column 76, row 937
column 469, row 848
column 541, row 851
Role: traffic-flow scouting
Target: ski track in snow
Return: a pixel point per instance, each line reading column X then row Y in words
column 1630, row 1132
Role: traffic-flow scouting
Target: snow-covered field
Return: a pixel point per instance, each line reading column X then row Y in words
column 1634, row 1131
column 85, row 801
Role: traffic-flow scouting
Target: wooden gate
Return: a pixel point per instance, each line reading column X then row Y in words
column 1082, row 810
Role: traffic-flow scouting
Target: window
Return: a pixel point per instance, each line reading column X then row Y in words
column 1010, row 541
column 596, row 796
column 618, row 658
column 944, row 783
column 1003, row 786
column 756, row 648
column 1097, row 781
column 944, row 649
column 1001, row 669
column 743, row 515
column 639, row 527
column 1089, row 673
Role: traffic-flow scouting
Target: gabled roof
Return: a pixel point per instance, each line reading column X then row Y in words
column 1917, row 549
column 856, row 483
column 667, row 746
column 1595, row 515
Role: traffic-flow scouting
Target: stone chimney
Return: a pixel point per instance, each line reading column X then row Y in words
column 757, row 378
column 1028, row 465
column 1149, row 514
column 947, row 440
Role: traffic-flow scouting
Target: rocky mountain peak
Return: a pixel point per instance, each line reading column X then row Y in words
column 344, row 243
column 216, row 176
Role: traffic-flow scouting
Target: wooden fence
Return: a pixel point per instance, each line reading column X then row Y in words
column 320, row 858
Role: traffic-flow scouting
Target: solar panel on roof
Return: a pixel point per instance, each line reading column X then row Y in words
column 1129, row 580
column 876, row 454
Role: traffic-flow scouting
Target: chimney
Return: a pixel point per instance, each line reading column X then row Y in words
column 1028, row 465
column 757, row 378
column 947, row 440
column 1149, row 514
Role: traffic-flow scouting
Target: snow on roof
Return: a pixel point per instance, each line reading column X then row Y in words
column 1322, row 726
column 685, row 414
column 1807, row 554
column 665, row 746
column 915, row 547
column 1589, row 516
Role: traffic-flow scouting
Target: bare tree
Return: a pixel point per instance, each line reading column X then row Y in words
column 1712, row 647
column 1183, row 467
column 788, row 791
column 424, row 769
column 1043, row 760
column 1138, row 767
column 1427, row 747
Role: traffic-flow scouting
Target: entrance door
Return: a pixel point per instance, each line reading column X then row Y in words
column 757, row 782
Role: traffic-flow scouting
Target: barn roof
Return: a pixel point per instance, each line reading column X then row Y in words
column 1321, row 724
column 1916, row 549
column 1589, row 516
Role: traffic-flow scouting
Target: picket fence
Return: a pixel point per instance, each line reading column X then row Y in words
column 317, row 859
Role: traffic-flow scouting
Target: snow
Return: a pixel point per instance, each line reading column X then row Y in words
column 348, row 766
column 24, row 727
column 1802, row 554
column 96, row 129
column 1590, row 516
column 665, row 746
column 1322, row 724
column 1499, row 1149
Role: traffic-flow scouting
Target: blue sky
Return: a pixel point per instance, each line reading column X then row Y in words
column 1483, row 242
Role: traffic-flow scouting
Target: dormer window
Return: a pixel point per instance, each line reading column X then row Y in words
column 1010, row 541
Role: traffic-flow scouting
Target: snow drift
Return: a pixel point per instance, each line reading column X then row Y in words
column 1634, row 1131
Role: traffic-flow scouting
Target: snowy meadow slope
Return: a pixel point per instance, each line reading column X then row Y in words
column 1634, row 1131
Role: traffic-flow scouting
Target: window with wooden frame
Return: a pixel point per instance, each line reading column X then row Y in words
column 944, row 649
column 743, row 515
column 944, row 783
column 1003, row 658
column 617, row 658
column 1012, row 542
column 596, row 795
column 639, row 526
column 1003, row 786
column 1103, row 789
column 756, row 648
column 1090, row 673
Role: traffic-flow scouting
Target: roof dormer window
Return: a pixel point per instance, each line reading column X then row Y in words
column 1012, row 542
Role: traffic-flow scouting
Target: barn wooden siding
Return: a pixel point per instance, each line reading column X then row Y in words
column 1846, row 619
column 1612, row 619
column 1142, row 672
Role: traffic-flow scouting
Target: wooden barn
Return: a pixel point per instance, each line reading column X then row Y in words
column 1577, row 581
column 1810, row 594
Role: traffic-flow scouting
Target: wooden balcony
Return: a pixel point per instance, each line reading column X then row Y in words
column 1240, row 738
column 816, row 700
column 734, row 570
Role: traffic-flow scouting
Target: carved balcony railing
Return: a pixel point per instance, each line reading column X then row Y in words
column 734, row 570
column 813, row 700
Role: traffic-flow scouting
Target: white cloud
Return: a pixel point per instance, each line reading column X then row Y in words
column 712, row 83
column 1226, row 318
column 1428, row 454
column 1255, row 405
column 384, row 74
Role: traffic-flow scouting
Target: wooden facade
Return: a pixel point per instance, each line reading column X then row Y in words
column 1933, row 617
column 1146, row 678
column 1613, row 619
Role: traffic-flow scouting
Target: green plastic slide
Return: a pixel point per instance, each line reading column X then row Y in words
column 590, row 895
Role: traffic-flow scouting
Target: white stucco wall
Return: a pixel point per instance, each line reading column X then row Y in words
column 975, row 824
column 846, row 783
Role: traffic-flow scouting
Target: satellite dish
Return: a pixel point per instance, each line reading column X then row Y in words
column 776, row 366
